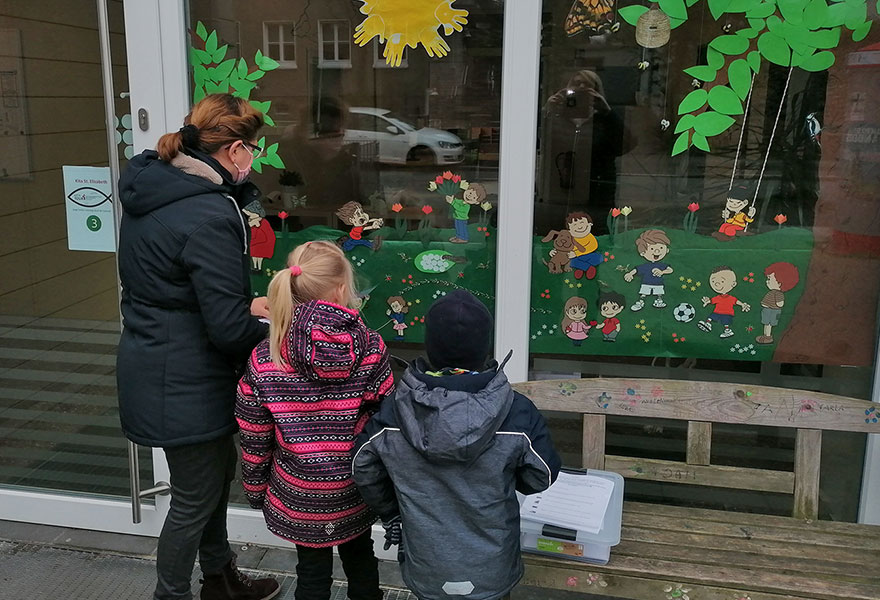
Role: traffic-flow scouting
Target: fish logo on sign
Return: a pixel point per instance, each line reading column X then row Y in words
column 88, row 197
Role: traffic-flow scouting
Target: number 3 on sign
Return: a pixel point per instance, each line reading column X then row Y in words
column 93, row 223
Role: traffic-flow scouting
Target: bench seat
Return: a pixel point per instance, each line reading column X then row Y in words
column 670, row 552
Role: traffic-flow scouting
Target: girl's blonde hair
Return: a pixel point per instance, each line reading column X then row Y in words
column 315, row 271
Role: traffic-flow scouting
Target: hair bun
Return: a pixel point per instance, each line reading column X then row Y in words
column 189, row 134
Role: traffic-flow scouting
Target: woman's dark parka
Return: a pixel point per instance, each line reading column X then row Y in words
column 184, row 266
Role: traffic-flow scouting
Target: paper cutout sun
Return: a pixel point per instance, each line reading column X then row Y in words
column 402, row 23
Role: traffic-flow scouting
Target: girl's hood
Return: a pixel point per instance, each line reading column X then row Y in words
column 326, row 341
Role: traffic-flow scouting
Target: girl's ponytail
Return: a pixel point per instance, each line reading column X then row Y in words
column 281, row 307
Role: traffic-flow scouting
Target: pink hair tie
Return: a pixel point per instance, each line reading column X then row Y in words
column 296, row 270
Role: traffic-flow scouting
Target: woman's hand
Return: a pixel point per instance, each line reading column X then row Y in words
column 260, row 307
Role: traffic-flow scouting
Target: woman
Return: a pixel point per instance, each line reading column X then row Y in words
column 189, row 326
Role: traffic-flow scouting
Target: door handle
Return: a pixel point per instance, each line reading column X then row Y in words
column 161, row 488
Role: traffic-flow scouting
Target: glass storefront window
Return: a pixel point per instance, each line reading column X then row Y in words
column 354, row 136
column 705, row 210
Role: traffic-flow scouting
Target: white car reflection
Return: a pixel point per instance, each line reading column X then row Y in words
column 399, row 142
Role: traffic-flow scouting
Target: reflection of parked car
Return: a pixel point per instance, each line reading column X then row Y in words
column 401, row 143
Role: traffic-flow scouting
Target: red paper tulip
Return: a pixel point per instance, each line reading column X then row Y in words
column 615, row 212
column 447, row 175
column 283, row 215
column 427, row 209
column 780, row 219
column 397, row 207
column 456, row 179
column 693, row 207
column 439, row 180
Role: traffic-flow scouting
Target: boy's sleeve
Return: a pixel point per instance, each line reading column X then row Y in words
column 257, row 439
column 539, row 465
column 369, row 472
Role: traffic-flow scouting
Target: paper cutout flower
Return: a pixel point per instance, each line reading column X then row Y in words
column 448, row 175
column 693, row 207
column 439, row 180
column 427, row 209
column 615, row 212
column 456, row 178
column 464, row 184
column 486, row 206
column 432, row 186
column 397, row 207
column 626, row 210
column 283, row 215
column 780, row 218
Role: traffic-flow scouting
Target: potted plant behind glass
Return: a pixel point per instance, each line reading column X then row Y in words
column 290, row 182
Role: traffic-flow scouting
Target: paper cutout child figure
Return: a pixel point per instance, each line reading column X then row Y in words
column 353, row 214
column 722, row 281
column 585, row 256
column 610, row 305
column 397, row 312
column 574, row 321
column 653, row 246
column 461, row 210
column 781, row 277
column 735, row 215
column 262, row 235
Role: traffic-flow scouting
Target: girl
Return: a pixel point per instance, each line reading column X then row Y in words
column 574, row 322
column 397, row 312
column 306, row 393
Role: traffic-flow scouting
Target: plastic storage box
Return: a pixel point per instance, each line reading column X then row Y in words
column 539, row 538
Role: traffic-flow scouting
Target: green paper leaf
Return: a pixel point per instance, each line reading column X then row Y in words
column 861, row 32
column 856, row 14
column 836, row 15
column 757, row 23
column 702, row 72
column 242, row 68
column 216, row 88
column 224, row 69
column 774, row 24
column 255, row 75
column 741, row 6
column 700, row 141
column 201, row 31
column 258, row 57
column 762, row 11
column 773, row 48
column 211, row 43
column 275, row 161
column 268, row 120
column 267, row 64
column 714, row 58
column 200, row 75
column 792, row 11
column 724, row 100
column 730, row 44
column 681, row 144
column 712, row 123
column 749, row 33
column 824, row 39
column 263, row 107
column 819, row 61
column 693, row 101
column 754, row 60
column 193, row 57
column 262, row 143
column 198, row 94
column 243, row 88
column 740, row 76
column 631, row 13
column 220, row 54
column 673, row 22
column 684, row 123
column 674, row 8
column 692, row 2
column 718, row 7
column 204, row 57
column 258, row 164
column 797, row 58
column 816, row 14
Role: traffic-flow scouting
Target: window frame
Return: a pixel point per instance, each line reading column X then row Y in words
column 282, row 62
column 334, row 63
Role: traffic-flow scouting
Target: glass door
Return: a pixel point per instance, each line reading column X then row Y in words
column 63, row 459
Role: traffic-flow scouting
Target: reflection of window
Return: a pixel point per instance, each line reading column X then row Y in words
column 279, row 43
column 379, row 59
column 334, row 43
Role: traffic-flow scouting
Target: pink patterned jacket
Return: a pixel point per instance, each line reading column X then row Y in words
column 298, row 425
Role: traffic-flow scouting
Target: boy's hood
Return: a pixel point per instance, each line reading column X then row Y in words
column 326, row 342
column 452, row 418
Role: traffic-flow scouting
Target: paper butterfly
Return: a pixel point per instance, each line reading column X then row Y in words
column 593, row 16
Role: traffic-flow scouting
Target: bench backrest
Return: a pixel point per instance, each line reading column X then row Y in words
column 703, row 403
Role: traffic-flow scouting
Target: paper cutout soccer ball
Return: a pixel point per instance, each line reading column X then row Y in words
column 684, row 312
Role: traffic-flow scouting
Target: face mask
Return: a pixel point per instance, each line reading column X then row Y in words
column 243, row 173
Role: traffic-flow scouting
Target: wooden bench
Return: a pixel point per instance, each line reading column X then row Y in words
column 671, row 552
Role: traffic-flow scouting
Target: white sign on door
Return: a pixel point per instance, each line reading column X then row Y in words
column 89, row 203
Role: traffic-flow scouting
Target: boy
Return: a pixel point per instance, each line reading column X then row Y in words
column 353, row 215
column 585, row 257
column 734, row 215
column 610, row 305
column 653, row 246
column 444, row 456
column 781, row 277
column 722, row 281
column 461, row 210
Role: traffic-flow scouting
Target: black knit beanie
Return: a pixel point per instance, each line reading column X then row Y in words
column 458, row 332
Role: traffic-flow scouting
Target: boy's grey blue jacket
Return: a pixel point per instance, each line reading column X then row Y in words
column 447, row 454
